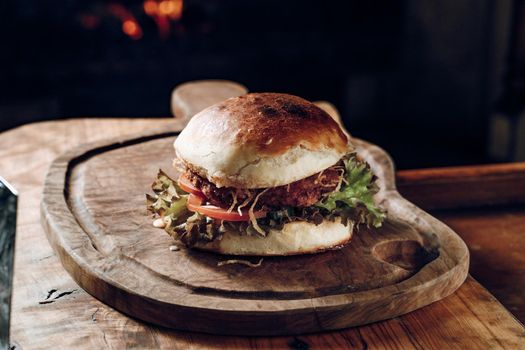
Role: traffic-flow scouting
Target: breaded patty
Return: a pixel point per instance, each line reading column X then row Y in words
column 302, row 193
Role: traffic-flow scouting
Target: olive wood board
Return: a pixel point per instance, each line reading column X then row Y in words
column 93, row 211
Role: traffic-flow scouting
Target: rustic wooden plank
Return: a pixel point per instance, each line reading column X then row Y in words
column 107, row 243
column 496, row 242
column 465, row 319
column 464, row 186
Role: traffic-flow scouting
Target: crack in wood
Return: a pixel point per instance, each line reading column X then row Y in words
column 93, row 318
column 49, row 293
column 60, row 295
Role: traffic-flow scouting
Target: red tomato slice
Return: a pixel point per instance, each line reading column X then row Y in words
column 187, row 186
column 194, row 201
column 195, row 204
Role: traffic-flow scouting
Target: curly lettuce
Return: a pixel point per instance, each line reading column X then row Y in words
column 169, row 204
column 356, row 192
column 169, row 201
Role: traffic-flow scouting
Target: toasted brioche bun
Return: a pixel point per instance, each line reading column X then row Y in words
column 260, row 140
column 295, row 238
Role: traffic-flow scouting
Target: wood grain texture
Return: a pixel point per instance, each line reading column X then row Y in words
column 469, row 318
column 496, row 242
column 470, row 185
column 93, row 212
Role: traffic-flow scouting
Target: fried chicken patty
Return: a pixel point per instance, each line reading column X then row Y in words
column 302, row 193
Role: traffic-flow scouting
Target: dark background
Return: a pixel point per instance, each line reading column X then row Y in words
column 419, row 78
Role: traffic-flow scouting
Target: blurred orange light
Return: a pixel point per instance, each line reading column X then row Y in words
column 163, row 11
column 132, row 29
column 177, row 9
column 170, row 8
column 150, row 7
column 166, row 7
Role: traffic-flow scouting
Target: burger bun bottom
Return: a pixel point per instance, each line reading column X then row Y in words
column 295, row 238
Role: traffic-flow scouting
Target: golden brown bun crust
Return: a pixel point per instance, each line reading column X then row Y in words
column 260, row 140
column 273, row 122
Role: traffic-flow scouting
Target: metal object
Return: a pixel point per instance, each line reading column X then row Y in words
column 8, row 201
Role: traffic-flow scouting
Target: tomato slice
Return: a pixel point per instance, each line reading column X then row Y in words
column 187, row 186
column 194, row 201
column 195, row 204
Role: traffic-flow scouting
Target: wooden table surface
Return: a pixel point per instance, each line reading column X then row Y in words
column 51, row 311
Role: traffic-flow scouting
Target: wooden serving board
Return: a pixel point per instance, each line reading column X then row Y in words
column 93, row 211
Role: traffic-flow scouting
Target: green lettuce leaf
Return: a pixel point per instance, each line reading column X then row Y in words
column 169, row 201
column 357, row 193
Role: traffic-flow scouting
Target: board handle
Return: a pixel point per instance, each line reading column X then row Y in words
column 192, row 97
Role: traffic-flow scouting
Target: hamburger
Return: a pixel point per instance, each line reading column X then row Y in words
column 265, row 174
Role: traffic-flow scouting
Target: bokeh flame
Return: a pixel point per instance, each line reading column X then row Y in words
column 130, row 26
column 132, row 29
column 162, row 11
